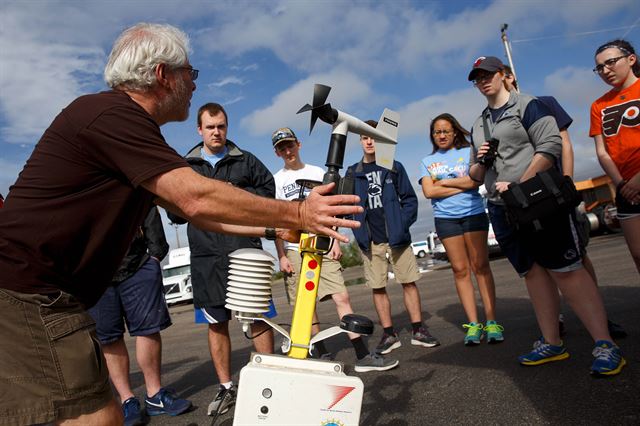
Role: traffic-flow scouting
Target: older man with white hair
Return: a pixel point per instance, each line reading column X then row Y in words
column 75, row 207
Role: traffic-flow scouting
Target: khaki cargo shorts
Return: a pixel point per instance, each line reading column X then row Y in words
column 51, row 364
column 403, row 263
column 331, row 280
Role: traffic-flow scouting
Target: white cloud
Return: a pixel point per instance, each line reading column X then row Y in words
column 234, row 100
column 387, row 37
column 39, row 77
column 465, row 105
column 54, row 51
column 347, row 90
column 250, row 67
column 574, row 86
column 227, row 81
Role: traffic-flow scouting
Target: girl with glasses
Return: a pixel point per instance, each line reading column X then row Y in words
column 615, row 127
column 514, row 138
column 461, row 223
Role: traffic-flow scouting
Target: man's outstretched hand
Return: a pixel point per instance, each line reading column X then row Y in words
column 317, row 213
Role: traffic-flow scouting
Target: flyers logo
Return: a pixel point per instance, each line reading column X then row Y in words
column 626, row 114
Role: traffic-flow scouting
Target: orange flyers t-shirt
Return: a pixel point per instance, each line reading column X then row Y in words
column 616, row 116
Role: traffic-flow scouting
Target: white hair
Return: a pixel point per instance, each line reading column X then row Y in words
column 139, row 49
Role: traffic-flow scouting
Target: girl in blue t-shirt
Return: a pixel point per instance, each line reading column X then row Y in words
column 461, row 222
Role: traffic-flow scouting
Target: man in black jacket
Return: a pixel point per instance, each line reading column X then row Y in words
column 218, row 158
column 136, row 297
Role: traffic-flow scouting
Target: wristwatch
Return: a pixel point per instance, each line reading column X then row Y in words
column 270, row 234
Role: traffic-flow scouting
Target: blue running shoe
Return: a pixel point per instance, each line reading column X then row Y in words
column 474, row 333
column 544, row 352
column 166, row 402
column 494, row 332
column 609, row 360
column 133, row 415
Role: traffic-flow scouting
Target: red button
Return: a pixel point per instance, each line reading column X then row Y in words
column 313, row 264
column 309, row 285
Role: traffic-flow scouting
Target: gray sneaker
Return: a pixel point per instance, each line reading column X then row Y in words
column 388, row 342
column 224, row 400
column 422, row 337
column 375, row 362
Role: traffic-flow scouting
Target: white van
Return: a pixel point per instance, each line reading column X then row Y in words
column 176, row 276
column 420, row 248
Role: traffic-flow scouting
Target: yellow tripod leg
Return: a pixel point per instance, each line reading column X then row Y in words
column 305, row 305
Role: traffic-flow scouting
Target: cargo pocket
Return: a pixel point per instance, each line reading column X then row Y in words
column 75, row 349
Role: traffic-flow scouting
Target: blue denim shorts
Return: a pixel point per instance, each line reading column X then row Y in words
column 446, row 227
column 555, row 247
column 137, row 301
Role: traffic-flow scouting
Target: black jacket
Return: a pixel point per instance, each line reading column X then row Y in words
column 209, row 250
column 149, row 241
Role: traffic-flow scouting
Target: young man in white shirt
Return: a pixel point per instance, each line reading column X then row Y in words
column 287, row 146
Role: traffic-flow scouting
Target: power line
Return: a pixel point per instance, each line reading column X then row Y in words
column 628, row 28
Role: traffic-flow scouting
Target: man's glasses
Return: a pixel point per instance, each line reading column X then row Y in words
column 482, row 78
column 442, row 132
column 193, row 73
column 609, row 63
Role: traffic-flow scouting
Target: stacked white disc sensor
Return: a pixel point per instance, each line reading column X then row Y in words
column 249, row 285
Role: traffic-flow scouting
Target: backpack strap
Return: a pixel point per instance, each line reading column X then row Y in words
column 516, row 190
column 550, row 183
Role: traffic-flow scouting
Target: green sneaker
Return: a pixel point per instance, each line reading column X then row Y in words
column 494, row 332
column 474, row 333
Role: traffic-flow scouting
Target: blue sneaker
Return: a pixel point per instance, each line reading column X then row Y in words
column 166, row 402
column 474, row 333
column 609, row 360
column 133, row 415
column 494, row 332
column 544, row 352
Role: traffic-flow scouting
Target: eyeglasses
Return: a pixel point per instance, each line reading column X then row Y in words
column 442, row 132
column 193, row 73
column 482, row 78
column 609, row 63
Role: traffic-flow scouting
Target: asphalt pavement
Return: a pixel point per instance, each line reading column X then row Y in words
column 449, row 384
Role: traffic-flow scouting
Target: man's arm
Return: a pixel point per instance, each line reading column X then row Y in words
column 208, row 204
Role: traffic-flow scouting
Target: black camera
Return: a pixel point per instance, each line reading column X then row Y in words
column 490, row 156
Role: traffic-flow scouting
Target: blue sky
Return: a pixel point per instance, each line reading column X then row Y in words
column 260, row 60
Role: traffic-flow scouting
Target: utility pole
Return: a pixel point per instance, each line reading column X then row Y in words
column 507, row 49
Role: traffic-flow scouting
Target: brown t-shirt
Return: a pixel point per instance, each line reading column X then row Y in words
column 69, row 218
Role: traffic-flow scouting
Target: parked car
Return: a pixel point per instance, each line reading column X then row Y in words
column 420, row 248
